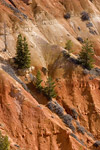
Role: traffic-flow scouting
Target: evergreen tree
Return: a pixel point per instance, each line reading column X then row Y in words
column 19, row 51
column 86, row 55
column 49, row 90
column 4, row 143
column 38, row 81
column 27, row 59
column 22, row 53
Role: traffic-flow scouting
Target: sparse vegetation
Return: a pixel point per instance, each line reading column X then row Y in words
column 38, row 81
column 81, row 129
column 51, row 105
column 67, row 119
column 67, row 16
column 74, row 113
column 22, row 58
column 89, row 24
column 49, row 89
column 75, row 137
column 92, row 31
column 89, row 134
column 96, row 144
column 86, row 55
column 55, row 107
column 85, row 16
column 68, row 46
column 4, row 143
column 66, row 54
column 80, row 39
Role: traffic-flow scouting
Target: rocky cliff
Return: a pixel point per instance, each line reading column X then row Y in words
column 26, row 117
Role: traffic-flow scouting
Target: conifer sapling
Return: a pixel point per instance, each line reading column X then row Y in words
column 49, row 89
column 38, row 81
column 86, row 55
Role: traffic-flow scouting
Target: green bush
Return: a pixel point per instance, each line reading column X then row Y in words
column 4, row 143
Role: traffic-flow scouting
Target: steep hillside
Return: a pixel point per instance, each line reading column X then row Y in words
column 25, row 117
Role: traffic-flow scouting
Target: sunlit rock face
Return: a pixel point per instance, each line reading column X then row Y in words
column 25, row 118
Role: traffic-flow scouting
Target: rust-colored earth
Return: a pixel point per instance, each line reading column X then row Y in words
column 24, row 116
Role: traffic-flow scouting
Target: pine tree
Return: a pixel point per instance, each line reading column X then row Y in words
column 49, row 89
column 4, row 143
column 19, row 51
column 86, row 55
column 27, row 59
column 22, row 53
column 38, row 81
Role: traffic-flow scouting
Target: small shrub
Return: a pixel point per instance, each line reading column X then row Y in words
column 44, row 70
column 90, row 134
column 74, row 113
column 67, row 119
column 66, row 54
column 96, row 144
column 79, row 28
column 75, row 61
column 86, row 72
column 80, row 39
column 75, row 137
column 67, row 16
column 81, row 129
column 50, row 105
column 85, row 16
column 4, row 143
column 56, row 108
column 77, row 123
column 95, row 71
column 17, row 146
column 89, row 24
column 92, row 31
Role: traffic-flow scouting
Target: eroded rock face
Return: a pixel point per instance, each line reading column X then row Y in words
column 81, row 92
column 43, row 23
column 28, row 124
